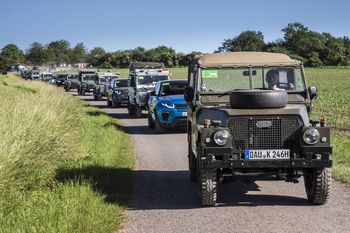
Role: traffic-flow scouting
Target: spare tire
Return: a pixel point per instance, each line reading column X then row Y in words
column 258, row 99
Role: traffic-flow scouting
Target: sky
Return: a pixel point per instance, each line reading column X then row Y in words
column 192, row 25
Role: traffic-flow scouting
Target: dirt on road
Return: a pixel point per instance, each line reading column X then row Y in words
column 165, row 200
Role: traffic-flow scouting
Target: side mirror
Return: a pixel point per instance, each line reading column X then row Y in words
column 313, row 92
column 152, row 93
column 189, row 94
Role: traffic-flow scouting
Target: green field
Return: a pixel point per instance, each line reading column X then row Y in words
column 65, row 166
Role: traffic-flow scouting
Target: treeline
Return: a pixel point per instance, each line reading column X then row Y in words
column 299, row 42
column 313, row 48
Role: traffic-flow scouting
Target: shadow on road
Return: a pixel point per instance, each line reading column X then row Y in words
column 167, row 189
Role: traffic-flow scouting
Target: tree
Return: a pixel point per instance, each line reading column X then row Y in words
column 36, row 54
column 59, row 51
column 78, row 54
column 95, row 56
column 246, row 41
column 11, row 55
column 302, row 42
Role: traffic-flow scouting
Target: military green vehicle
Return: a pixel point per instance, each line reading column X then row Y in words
column 142, row 79
column 87, row 81
column 102, row 84
column 248, row 118
column 72, row 82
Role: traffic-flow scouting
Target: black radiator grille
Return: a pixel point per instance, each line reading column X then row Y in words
column 264, row 132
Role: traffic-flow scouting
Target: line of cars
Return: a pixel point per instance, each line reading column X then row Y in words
column 149, row 88
column 247, row 116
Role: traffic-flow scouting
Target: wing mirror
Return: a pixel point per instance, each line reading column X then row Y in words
column 189, row 94
column 313, row 92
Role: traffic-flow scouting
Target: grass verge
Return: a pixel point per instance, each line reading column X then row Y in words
column 64, row 166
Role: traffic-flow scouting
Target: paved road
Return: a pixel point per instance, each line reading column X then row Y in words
column 166, row 201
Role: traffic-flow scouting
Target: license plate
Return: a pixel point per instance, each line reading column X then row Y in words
column 184, row 113
column 266, row 154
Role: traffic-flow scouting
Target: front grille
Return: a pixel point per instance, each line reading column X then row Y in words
column 274, row 132
column 180, row 105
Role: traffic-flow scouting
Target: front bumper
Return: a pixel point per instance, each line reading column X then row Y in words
column 221, row 158
column 172, row 117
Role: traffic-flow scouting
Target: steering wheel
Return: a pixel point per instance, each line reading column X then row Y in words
column 283, row 85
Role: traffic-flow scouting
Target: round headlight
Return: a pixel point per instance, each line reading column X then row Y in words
column 118, row 92
column 221, row 137
column 311, row 136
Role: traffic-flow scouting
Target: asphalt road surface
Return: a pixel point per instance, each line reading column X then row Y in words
column 165, row 200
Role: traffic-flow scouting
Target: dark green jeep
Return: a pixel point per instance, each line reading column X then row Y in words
column 248, row 118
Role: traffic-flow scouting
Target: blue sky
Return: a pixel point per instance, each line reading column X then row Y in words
column 191, row 25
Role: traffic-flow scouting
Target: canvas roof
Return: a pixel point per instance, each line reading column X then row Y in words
column 245, row 59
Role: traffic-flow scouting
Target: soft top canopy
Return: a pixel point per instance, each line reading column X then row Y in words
column 245, row 59
column 146, row 65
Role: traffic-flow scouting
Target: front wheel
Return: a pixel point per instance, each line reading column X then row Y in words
column 138, row 111
column 317, row 185
column 150, row 120
column 158, row 128
column 207, row 186
column 109, row 103
column 192, row 164
column 130, row 109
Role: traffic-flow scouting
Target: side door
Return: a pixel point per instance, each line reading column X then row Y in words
column 154, row 99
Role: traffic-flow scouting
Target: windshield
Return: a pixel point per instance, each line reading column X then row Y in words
column 172, row 88
column 89, row 78
column 73, row 77
column 105, row 79
column 121, row 83
column 151, row 79
column 223, row 80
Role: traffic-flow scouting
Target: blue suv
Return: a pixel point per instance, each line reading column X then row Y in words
column 167, row 107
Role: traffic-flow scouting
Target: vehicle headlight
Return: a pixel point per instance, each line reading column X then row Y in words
column 221, row 137
column 311, row 136
column 167, row 105
column 118, row 92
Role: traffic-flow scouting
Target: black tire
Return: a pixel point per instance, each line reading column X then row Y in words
column 150, row 121
column 317, row 185
column 258, row 99
column 137, row 111
column 109, row 103
column 192, row 164
column 130, row 109
column 208, row 190
column 158, row 128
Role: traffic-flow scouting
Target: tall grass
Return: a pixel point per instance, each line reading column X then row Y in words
column 62, row 168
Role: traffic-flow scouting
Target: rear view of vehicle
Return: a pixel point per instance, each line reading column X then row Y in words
column 167, row 107
column 35, row 75
column 142, row 78
column 248, row 118
column 117, row 93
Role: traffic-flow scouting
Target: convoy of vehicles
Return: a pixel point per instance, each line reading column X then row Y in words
column 142, row 78
column 248, row 117
column 167, row 106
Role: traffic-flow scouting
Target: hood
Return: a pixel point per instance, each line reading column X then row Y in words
column 223, row 113
column 178, row 99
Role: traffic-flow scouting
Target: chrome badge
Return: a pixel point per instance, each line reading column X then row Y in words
column 263, row 124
